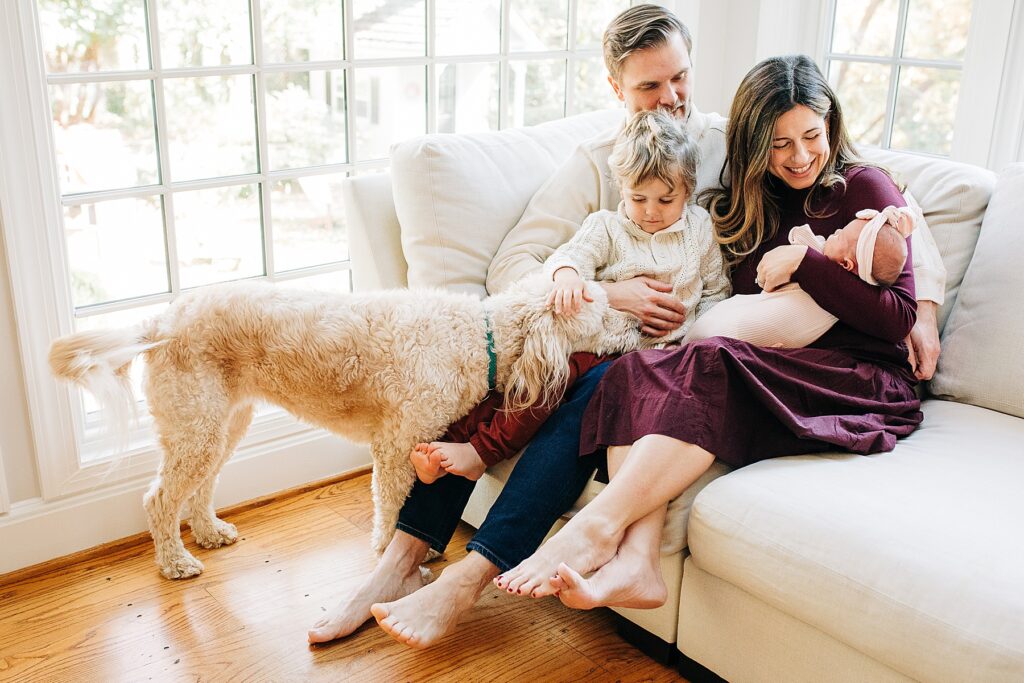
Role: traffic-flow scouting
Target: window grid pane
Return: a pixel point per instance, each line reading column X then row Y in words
column 230, row 153
column 903, row 96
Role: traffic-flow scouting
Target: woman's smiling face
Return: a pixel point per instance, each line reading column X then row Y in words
column 799, row 147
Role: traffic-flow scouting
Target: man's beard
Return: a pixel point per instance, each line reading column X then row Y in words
column 680, row 110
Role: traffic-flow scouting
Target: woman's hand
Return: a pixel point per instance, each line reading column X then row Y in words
column 778, row 265
column 923, row 341
column 650, row 300
column 569, row 292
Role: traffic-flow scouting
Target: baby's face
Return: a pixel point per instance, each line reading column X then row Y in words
column 653, row 206
column 841, row 246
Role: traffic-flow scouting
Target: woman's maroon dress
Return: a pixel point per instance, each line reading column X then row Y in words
column 852, row 389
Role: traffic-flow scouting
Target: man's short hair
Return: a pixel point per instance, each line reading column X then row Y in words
column 639, row 28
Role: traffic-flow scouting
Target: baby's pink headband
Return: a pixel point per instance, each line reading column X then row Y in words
column 866, row 242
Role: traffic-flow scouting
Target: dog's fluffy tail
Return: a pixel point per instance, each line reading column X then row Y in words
column 100, row 361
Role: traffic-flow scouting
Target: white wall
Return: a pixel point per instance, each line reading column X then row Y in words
column 733, row 35
column 15, row 434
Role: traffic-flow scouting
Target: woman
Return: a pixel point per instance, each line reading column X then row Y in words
column 665, row 415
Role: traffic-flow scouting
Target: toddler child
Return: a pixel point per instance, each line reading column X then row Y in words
column 656, row 231
column 873, row 245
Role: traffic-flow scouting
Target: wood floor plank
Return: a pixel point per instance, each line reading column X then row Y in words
column 114, row 618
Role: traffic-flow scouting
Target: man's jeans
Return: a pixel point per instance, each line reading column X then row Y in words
column 546, row 481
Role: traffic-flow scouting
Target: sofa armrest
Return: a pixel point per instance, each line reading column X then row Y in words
column 374, row 235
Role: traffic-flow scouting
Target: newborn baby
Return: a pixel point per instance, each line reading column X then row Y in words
column 873, row 245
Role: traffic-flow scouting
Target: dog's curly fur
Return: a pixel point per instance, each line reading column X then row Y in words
column 392, row 368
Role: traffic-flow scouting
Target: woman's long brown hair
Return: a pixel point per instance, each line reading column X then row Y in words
column 744, row 210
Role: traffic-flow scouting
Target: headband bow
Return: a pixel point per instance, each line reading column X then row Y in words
column 890, row 215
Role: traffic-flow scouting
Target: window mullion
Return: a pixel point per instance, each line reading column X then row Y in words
column 162, row 147
column 894, row 75
column 570, row 63
column 504, row 101
column 262, row 156
column 350, row 81
column 430, row 91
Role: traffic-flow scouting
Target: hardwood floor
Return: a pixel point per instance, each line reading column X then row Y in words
column 114, row 618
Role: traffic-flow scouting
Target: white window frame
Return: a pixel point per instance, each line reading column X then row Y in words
column 30, row 210
column 977, row 109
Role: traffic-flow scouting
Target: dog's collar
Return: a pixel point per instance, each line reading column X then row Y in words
column 492, row 360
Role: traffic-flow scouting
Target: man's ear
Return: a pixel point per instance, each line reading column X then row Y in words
column 617, row 88
column 848, row 264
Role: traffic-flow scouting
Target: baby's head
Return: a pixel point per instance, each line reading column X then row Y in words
column 873, row 245
column 655, row 164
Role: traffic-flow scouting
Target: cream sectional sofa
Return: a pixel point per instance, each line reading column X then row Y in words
column 901, row 566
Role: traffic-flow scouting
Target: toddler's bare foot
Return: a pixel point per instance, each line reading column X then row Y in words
column 461, row 459
column 585, row 541
column 424, row 617
column 385, row 583
column 427, row 462
column 626, row 581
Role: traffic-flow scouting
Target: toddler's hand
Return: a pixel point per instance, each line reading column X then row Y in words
column 569, row 292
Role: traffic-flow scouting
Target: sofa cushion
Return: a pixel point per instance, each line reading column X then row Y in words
column 913, row 557
column 953, row 197
column 982, row 359
column 457, row 195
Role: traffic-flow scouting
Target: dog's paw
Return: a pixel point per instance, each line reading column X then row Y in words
column 222, row 533
column 182, row 568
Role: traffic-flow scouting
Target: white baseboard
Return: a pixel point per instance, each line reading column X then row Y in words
column 36, row 531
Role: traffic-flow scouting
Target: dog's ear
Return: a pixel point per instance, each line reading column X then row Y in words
column 541, row 372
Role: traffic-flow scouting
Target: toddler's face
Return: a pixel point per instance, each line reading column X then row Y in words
column 841, row 246
column 653, row 206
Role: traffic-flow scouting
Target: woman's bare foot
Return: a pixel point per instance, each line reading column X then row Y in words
column 427, row 462
column 461, row 459
column 422, row 618
column 397, row 574
column 584, row 541
column 626, row 581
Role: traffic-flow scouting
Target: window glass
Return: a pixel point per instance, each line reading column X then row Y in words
column 199, row 34
column 306, row 119
column 391, row 105
column 467, row 97
column 538, row 25
column 219, row 235
column 937, row 30
column 104, row 135
column 536, row 91
column 302, row 30
column 467, row 27
column 309, row 221
column 865, row 27
column 97, row 36
column 862, row 88
column 116, row 249
column 389, row 28
column 925, row 108
column 211, row 126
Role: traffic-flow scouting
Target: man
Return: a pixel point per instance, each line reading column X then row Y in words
column 647, row 52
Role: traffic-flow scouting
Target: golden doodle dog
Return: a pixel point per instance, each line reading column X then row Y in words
column 392, row 368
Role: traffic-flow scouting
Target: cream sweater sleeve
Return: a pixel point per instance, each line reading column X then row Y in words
column 929, row 271
column 717, row 285
column 587, row 251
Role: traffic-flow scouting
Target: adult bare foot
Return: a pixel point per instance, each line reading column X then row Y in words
column 424, row 617
column 585, row 541
column 461, row 459
column 626, row 581
column 397, row 574
column 427, row 462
